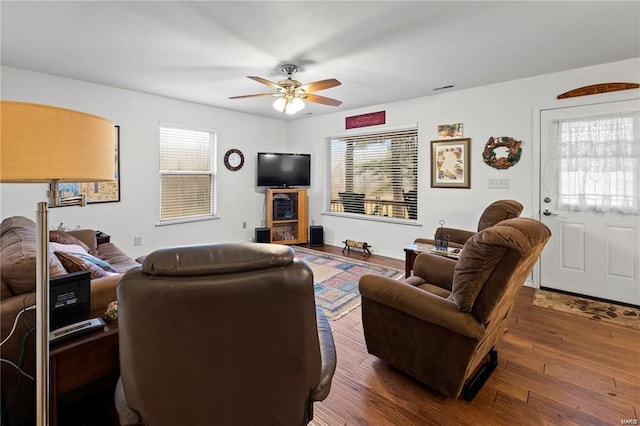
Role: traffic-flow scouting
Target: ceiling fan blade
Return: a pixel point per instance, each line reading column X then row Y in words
column 320, row 85
column 253, row 96
column 322, row 100
column 265, row 81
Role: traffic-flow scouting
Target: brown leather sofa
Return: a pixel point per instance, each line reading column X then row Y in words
column 17, row 284
column 495, row 212
column 222, row 334
column 439, row 325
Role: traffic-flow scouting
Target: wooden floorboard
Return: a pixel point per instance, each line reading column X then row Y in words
column 554, row 369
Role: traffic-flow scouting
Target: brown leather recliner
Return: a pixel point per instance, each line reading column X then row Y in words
column 440, row 324
column 495, row 212
column 224, row 334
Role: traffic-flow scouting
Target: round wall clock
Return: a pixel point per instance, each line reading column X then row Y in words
column 234, row 159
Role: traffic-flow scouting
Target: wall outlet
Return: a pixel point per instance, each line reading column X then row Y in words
column 137, row 241
column 499, row 183
column 244, row 225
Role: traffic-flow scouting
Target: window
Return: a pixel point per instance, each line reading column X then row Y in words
column 374, row 174
column 600, row 163
column 187, row 173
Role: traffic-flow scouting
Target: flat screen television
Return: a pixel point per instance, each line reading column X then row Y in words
column 284, row 170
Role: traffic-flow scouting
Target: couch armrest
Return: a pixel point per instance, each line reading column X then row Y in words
column 328, row 357
column 420, row 304
column 434, row 269
column 103, row 291
column 87, row 236
column 458, row 236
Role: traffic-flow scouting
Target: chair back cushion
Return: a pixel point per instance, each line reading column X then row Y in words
column 212, row 259
column 498, row 211
column 219, row 334
column 494, row 263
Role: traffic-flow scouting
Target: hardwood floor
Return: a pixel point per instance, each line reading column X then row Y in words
column 554, row 369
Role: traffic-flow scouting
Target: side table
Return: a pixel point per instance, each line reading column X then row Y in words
column 82, row 361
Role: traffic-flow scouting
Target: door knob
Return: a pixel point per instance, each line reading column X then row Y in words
column 548, row 213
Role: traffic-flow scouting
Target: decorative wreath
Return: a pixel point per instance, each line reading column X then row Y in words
column 513, row 148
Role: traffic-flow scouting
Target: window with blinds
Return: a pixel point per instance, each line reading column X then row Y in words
column 374, row 174
column 187, row 173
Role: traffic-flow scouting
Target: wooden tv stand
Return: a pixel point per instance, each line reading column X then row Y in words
column 287, row 215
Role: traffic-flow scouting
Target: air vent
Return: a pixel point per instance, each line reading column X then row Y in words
column 449, row 86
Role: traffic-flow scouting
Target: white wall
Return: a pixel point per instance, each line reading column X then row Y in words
column 504, row 109
column 139, row 115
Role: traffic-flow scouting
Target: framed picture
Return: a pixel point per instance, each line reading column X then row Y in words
column 98, row 192
column 450, row 165
column 446, row 131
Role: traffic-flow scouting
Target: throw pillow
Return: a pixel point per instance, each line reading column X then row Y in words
column 65, row 238
column 18, row 246
column 68, row 248
column 73, row 263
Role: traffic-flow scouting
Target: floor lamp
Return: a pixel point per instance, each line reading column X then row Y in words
column 45, row 144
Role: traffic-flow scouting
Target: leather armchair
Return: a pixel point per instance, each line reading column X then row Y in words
column 495, row 212
column 224, row 334
column 441, row 324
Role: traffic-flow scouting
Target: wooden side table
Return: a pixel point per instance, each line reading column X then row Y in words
column 82, row 361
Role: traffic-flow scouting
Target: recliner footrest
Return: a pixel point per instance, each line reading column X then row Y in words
column 475, row 383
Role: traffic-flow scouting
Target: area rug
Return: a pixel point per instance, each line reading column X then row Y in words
column 336, row 280
column 592, row 309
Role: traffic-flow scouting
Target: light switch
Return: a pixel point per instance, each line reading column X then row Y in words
column 499, row 183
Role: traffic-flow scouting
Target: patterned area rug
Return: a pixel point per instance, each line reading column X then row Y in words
column 336, row 280
column 592, row 309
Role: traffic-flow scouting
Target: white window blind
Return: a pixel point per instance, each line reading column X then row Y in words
column 600, row 163
column 187, row 173
column 374, row 174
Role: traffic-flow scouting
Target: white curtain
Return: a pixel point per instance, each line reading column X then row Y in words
column 600, row 163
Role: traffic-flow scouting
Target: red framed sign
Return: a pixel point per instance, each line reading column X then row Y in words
column 364, row 120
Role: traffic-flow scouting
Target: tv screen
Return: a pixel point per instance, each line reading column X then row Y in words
column 284, row 170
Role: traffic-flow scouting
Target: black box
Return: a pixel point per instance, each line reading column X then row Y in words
column 69, row 298
column 263, row 235
column 316, row 236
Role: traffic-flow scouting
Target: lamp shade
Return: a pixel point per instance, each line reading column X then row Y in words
column 40, row 143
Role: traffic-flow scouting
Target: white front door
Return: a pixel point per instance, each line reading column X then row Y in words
column 590, row 253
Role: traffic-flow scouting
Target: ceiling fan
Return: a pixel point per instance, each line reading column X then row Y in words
column 291, row 93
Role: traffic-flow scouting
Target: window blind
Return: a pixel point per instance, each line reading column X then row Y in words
column 187, row 173
column 374, row 174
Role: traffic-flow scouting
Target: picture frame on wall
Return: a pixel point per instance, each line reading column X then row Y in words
column 450, row 163
column 98, row 192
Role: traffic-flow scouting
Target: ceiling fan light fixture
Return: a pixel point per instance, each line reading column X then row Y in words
column 296, row 105
column 292, row 94
column 288, row 105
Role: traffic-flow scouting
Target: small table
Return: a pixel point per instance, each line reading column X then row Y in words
column 413, row 250
column 82, row 361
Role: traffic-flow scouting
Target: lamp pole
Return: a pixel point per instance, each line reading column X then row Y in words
column 42, row 317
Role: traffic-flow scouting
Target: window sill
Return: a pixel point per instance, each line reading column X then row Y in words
column 186, row 220
column 374, row 218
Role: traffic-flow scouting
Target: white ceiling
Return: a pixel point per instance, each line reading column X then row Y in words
column 381, row 51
